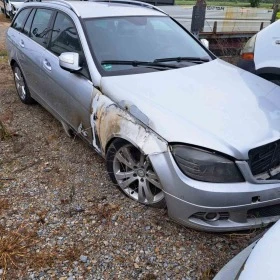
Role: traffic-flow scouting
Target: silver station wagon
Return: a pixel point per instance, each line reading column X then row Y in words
column 178, row 127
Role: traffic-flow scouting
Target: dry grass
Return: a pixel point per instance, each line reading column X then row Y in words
column 4, row 204
column 106, row 211
column 71, row 254
column 14, row 246
column 3, row 53
column 44, row 258
column 4, row 132
column 207, row 274
column 18, row 252
column 149, row 276
column 52, row 255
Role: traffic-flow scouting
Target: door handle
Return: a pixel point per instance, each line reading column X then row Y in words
column 21, row 43
column 47, row 65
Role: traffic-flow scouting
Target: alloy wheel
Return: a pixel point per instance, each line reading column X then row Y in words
column 135, row 175
column 20, row 83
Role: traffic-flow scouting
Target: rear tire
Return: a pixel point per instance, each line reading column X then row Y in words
column 5, row 12
column 69, row 132
column 21, row 86
column 133, row 173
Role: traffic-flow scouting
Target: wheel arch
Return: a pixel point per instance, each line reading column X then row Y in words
column 111, row 122
column 268, row 71
column 13, row 62
column 123, row 138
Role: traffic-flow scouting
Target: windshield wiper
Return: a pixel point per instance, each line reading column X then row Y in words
column 136, row 63
column 182, row 58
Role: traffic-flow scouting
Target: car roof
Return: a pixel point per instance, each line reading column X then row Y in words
column 88, row 9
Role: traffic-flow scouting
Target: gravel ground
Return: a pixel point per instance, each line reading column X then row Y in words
column 62, row 218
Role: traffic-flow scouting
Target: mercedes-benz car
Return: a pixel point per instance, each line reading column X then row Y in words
column 178, row 127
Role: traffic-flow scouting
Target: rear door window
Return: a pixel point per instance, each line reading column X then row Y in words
column 20, row 19
column 40, row 26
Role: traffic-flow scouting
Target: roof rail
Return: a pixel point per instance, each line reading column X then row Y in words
column 131, row 2
column 59, row 2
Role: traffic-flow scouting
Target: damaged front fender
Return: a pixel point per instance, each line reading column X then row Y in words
column 110, row 120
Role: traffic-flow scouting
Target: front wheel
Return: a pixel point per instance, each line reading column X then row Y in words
column 132, row 171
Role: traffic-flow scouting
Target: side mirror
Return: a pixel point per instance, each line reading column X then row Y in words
column 70, row 61
column 205, row 43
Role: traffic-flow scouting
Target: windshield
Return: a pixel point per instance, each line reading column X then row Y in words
column 140, row 38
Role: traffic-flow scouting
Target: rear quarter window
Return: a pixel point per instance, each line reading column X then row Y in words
column 19, row 21
column 27, row 26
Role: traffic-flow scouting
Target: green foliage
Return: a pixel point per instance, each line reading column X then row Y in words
column 255, row 3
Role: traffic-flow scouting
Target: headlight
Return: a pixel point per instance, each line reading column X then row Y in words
column 248, row 51
column 205, row 166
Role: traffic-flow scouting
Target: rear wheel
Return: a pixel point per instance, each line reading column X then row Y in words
column 22, row 89
column 5, row 12
column 132, row 171
column 69, row 132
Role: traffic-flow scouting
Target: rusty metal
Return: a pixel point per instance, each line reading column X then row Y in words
column 211, row 35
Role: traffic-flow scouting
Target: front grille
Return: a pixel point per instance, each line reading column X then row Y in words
column 262, row 212
column 264, row 158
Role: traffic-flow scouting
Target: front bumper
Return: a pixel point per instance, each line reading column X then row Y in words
column 239, row 206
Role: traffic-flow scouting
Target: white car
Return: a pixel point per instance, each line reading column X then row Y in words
column 261, row 54
column 10, row 8
column 258, row 261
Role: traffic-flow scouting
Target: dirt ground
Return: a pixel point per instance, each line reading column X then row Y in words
column 62, row 218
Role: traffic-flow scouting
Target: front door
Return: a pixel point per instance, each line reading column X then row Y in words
column 68, row 94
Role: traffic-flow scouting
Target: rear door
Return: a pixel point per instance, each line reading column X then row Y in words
column 25, row 45
column 14, row 35
column 35, row 41
column 68, row 94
